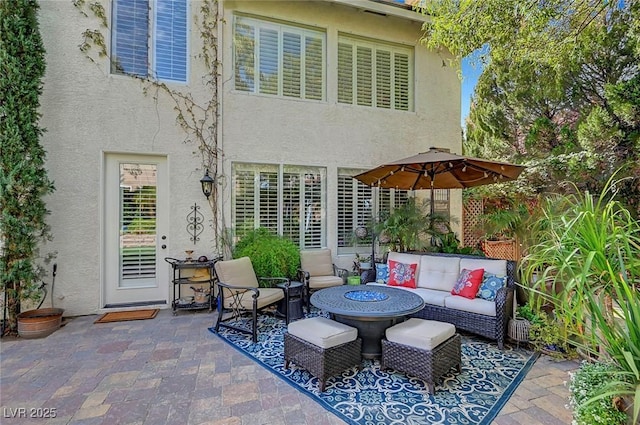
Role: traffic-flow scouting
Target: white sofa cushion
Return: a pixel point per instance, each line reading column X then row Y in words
column 476, row 305
column 440, row 273
column 430, row 296
column 420, row 333
column 322, row 332
column 497, row 267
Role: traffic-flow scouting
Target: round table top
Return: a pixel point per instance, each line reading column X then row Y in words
column 372, row 301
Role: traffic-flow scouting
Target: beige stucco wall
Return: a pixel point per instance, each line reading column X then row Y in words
column 88, row 112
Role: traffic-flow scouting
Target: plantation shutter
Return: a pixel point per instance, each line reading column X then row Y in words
column 138, row 222
column 313, row 230
column 171, row 40
column 401, row 82
column 244, row 202
column 291, row 64
column 345, row 73
column 346, row 213
column 383, row 79
column 244, row 43
column 268, row 61
column 364, row 76
column 130, row 51
column 314, row 68
column 291, row 210
column 268, row 200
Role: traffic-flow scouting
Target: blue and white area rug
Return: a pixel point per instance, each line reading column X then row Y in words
column 372, row 396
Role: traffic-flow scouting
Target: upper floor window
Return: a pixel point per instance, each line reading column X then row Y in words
column 149, row 39
column 287, row 199
column 278, row 59
column 375, row 74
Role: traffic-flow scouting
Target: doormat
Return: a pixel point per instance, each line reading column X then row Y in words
column 374, row 396
column 123, row 316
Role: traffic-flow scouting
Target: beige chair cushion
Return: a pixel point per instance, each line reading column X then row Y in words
column 238, row 272
column 476, row 305
column 322, row 332
column 420, row 333
column 318, row 282
column 267, row 296
column 317, row 262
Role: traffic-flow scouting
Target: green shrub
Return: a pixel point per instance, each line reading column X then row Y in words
column 270, row 254
column 586, row 383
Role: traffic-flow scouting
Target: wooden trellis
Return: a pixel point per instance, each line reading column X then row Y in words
column 471, row 211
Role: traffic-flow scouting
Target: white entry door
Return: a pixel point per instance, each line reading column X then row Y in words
column 136, row 229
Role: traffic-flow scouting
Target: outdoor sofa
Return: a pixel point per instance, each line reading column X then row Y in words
column 436, row 275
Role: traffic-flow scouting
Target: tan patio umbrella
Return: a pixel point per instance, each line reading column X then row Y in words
column 439, row 169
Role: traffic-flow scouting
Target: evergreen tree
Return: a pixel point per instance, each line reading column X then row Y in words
column 23, row 177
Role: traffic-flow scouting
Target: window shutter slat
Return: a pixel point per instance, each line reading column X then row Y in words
column 364, row 76
column 130, row 50
column 345, row 73
column 291, row 64
column 383, row 79
column 244, row 42
column 171, row 40
column 269, row 67
column 401, row 75
column 314, row 68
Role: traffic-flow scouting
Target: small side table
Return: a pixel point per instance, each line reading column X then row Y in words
column 295, row 301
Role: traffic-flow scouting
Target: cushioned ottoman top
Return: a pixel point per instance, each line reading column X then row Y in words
column 323, row 332
column 420, row 333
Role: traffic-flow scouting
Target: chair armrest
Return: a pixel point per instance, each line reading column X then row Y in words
column 303, row 276
column 340, row 272
column 256, row 291
column 504, row 300
column 275, row 280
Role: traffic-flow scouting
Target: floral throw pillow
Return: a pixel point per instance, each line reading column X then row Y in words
column 468, row 283
column 401, row 274
column 382, row 272
column 490, row 285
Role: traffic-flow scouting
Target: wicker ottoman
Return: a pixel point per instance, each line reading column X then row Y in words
column 426, row 349
column 322, row 346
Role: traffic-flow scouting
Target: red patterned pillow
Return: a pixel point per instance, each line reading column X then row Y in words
column 401, row 274
column 468, row 283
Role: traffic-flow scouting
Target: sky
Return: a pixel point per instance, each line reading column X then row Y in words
column 470, row 76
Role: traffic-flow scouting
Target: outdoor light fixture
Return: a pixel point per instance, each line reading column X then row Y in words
column 207, row 184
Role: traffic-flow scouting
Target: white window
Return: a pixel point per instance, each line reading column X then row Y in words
column 358, row 204
column 149, row 39
column 289, row 200
column 375, row 74
column 278, row 59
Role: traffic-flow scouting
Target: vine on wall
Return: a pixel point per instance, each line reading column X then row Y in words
column 196, row 115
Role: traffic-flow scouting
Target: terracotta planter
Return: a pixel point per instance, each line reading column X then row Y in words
column 39, row 323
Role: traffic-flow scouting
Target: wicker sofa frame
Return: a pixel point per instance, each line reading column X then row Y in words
column 428, row 365
column 492, row 327
column 322, row 363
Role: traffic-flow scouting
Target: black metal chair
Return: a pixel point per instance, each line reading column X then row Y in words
column 240, row 295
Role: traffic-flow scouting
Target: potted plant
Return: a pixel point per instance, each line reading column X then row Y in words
column 23, row 177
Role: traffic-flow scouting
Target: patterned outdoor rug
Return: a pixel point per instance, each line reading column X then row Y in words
column 372, row 396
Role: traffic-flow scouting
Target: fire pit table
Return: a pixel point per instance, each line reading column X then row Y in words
column 369, row 308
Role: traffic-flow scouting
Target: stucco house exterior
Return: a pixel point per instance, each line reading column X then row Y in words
column 307, row 94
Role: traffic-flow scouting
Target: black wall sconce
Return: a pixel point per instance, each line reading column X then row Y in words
column 207, row 184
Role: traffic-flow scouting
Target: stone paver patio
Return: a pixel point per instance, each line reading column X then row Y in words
column 172, row 370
